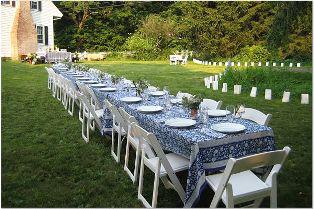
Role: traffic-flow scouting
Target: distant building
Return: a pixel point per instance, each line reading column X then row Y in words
column 27, row 27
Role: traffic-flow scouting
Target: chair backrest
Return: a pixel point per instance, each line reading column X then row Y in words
column 127, row 117
column 211, row 104
column 83, row 90
column 234, row 166
column 87, row 108
column 152, row 141
column 94, row 100
column 256, row 116
column 117, row 118
column 107, row 104
column 173, row 57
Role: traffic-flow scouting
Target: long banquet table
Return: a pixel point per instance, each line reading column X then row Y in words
column 207, row 149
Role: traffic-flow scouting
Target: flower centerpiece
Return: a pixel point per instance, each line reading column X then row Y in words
column 115, row 79
column 192, row 103
column 140, row 86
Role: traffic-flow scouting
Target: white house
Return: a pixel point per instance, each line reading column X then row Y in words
column 16, row 22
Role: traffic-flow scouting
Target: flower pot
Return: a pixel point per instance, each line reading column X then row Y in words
column 194, row 113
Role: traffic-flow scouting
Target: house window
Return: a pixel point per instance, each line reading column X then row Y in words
column 40, row 36
column 5, row 3
column 34, row 5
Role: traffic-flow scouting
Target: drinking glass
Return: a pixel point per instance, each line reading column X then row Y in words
column 241, row 110
column 166, row 90
column 204, row 117
column 231, row 109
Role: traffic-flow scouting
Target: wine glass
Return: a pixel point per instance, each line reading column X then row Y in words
column 231, row 109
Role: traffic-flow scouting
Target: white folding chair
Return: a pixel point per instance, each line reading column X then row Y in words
column 238, row 184
column 88, row 116
column 173, row 59
column 84, row 91
column 50, row 80
column 135, row 144
column 211, row 104
column 119, row 126
column 256, row 116
column 94, row 100
column 71, row 97
column 161, row 164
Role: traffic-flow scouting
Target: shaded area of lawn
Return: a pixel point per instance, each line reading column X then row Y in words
column 45, row 162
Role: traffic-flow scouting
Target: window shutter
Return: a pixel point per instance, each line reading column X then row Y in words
column 46, row 35
column 13, row 3
column 39, row 5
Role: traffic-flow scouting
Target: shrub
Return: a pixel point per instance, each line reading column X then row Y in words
column 266, row 78
column 253, row 53
column 144, row 48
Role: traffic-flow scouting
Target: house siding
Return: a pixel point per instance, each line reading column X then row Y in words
column 7, row 17
column 44, row 18
column 41, row 18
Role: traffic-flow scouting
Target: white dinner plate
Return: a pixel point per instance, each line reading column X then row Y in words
column 110, row 89
column 77, row 76
column 149, row 109
column 157, row 93
column 98, row 85
column 176, row 101
column 131, row 99
column 218, row 113
column 228, row 127
column 83, row 78
column 180, row 122
column 89, row 82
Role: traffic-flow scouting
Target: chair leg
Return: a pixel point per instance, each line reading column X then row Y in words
column 156, row 186
column 81, row 112
column 85, row 128
column 49, row 82
column 133, row 175
column 119, row 145
column 113, row 145
column 59, row 93
column 70, row 105
column 137, row 161
column 273, row 193
column 229, row 191
column 126, row 160
column 140, row 185
column 114, row 155
column 54, row 92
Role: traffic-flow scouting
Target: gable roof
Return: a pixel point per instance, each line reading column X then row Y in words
column 54, row 10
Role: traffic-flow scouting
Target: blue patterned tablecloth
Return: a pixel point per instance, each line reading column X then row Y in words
column 207, row 149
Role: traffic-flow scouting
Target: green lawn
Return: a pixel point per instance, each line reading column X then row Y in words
column 45, row 162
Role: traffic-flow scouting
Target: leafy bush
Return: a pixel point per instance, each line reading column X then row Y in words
column 253, row 53
column 144, row 48
column 265, row 78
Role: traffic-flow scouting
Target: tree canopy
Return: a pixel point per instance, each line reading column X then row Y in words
column 282, row 30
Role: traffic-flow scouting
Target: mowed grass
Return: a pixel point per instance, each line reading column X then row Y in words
column 45, row 162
